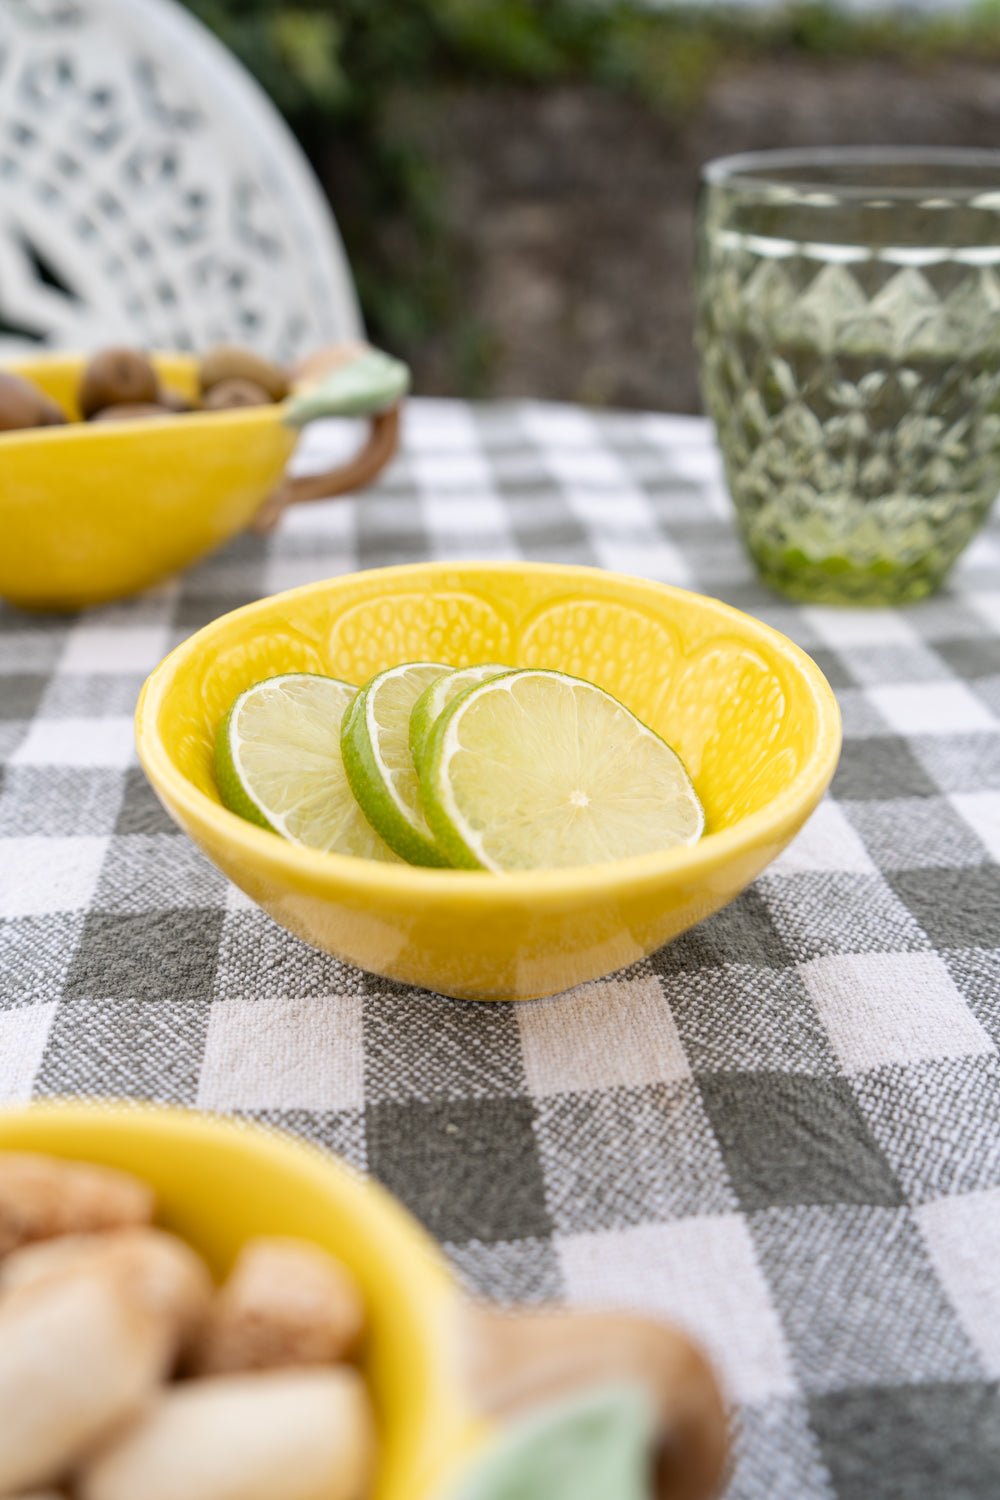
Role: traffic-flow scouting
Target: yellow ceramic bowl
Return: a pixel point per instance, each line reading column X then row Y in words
column 95, row 510
column 434, row 1363
column 218, row 1183
column 752, row 716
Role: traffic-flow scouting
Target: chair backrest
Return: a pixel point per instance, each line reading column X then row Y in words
column 150, row 193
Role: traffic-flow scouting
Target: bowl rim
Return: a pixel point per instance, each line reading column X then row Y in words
column 141, row 427
column 285, row 1151
column 515, row 887
column 763, row 171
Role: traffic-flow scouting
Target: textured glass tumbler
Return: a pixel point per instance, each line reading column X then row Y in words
column 849, row 335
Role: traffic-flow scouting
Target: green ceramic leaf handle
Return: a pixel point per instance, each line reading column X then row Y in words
column 344, row 380
column 353, row 380
column 608, row 1399
column 593, row 1446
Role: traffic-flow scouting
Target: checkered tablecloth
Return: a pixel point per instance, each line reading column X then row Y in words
column 784, row 1130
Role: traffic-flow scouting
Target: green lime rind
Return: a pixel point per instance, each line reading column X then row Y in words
column 434, row 700
column 625, row 793
column 278, row 764
column 367, row 781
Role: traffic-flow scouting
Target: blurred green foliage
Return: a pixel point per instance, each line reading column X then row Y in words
column 338, row 55
column 332, row 65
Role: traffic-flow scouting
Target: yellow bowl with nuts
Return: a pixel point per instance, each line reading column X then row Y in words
column 446, row 1382
column 101, row 501
column 751, row 716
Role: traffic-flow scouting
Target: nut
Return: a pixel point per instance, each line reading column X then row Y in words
column 323, row 362
column 41, row 1196
column 235, row 392
column 21, row 403
column 132, row 411
column 287, row 1302
column 227, row 362
column 165, row 1275
column 52, row 413
column 174, row 401
column 79, row 1354
column 117, row 377
column 300, row 1434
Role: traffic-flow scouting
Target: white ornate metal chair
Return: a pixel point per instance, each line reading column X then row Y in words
column 150, row 193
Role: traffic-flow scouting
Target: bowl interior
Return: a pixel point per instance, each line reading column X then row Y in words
column 218, row 1183
column 58, row 375
column 745, row 709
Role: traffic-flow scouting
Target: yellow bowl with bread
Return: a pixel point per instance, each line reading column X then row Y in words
column 93, row 511
column 445, row 1378
column 752, row 717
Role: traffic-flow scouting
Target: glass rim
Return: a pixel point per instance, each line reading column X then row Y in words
column 777, row 170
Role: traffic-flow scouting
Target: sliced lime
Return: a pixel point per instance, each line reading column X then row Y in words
column 536, row 769
column 278, row 763
column 435, row 699
column 375, row 741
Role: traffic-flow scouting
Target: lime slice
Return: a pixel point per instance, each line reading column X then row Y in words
column 278, row 763
column 539, row 770
column 375, row 741
column 434, row 700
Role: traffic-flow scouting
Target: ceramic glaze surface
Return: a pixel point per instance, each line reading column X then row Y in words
column 217, row 1184
column 751, row 715
column 92, row 511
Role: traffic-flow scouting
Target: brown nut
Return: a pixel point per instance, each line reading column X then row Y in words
column 229, row 394
column 42, row 1196
column 227, row 362
column 21, row 403
column 175, row 402
column 323, row 362
column 297, row 1434
column 165, row 1275
column 52, row 413
column 131, row 412
column 287, row 1302
column 118, row 377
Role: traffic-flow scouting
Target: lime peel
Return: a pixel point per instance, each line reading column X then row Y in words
column 379, row 763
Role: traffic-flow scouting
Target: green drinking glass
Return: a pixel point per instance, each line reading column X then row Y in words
column 849, row 337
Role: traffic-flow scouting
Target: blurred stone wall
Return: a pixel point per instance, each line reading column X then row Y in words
column 568, row 213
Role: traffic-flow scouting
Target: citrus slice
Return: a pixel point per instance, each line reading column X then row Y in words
column 435, row 699
column 278, row 764
column 536, row 769
column 375, row 741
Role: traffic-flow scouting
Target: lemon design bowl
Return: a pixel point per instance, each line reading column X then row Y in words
column 751, row 715
column 436, row 1367
column 93, row 511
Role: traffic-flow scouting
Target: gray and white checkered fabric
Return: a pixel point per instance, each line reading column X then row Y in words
column 783, row 1131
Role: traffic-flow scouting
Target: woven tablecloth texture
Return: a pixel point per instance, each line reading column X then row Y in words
column 783, row 1130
